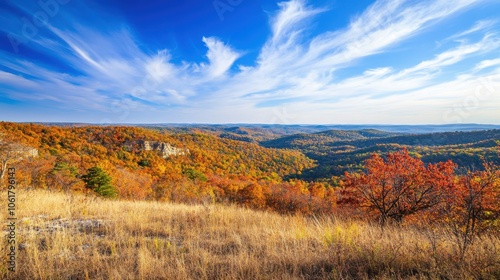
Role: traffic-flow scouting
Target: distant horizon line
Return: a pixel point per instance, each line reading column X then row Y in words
column 243, row 124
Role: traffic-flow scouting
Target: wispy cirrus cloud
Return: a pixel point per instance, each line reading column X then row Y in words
column 487, row 64
column 383, row 25
column 481, row 25
column 292, row 68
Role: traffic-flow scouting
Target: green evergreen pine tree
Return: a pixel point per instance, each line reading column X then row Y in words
column 100, row 182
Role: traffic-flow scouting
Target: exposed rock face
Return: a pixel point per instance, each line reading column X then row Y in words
column 18, row 151
column 30, row 152
column 166, row 150
column 13, row 152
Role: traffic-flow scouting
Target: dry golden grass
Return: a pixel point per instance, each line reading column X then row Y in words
column 63, row 236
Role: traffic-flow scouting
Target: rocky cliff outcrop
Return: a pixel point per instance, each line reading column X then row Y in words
column 29, row 152
column 164, row 149
column 17, row 151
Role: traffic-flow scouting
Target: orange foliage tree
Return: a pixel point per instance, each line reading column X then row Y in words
column 473, row 206
column 398, row 186
column 253, row 196
column 132, row 186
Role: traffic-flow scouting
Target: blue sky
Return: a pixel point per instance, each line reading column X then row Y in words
column 250, row 61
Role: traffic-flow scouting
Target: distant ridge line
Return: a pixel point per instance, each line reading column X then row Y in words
column 397, row 128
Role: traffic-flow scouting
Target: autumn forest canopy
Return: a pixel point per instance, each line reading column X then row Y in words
column 448, row 178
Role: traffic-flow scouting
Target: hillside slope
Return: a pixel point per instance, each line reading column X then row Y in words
column 65, row 154
column 310, row 142
column 81, row 237
column 339, row 151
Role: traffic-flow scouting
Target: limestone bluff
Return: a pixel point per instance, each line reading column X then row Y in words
column 164, row 149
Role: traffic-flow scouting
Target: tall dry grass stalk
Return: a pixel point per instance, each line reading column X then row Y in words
column 65, row 236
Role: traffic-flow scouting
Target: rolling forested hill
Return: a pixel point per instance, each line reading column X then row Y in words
column 339, row 151
column 207, row 165
column 311, row 142
column 244, row 149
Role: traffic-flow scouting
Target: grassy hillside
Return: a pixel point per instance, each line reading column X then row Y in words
column 66, row 236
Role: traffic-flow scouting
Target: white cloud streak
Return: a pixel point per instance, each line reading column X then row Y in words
column 221, row 57
column 291, row 68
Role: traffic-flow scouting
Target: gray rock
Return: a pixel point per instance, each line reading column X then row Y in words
column 164, row 149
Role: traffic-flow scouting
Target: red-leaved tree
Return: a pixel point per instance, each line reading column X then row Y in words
column 398, row 186
column 472, row 207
